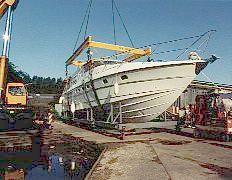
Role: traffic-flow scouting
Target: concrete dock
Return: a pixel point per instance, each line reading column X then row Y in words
column 158, row 155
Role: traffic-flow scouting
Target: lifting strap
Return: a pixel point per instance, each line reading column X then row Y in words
column 93, row 88
column 86, row 93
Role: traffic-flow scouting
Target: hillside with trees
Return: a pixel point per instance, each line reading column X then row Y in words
column 35, row 84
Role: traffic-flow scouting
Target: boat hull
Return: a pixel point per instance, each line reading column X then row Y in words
column 144, row 90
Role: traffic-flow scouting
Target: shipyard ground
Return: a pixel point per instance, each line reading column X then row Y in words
column 158, row 155
column 153, row 155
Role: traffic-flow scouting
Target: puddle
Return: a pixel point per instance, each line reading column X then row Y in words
column 50, row 155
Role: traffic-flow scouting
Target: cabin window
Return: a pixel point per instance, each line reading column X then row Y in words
column 17, row 90
column 124, row 77
column 105, row 81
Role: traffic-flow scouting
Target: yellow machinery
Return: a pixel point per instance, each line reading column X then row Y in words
column 16, row 94
column 134, row 52
column 14, row 112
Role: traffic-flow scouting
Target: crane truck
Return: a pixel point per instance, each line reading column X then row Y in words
column 14, row 111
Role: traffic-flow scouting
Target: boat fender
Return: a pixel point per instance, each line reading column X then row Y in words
column 116, row 88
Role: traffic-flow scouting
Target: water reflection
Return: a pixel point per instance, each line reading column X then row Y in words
column 49, row 156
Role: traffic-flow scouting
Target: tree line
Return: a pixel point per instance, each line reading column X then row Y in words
column 35, row 84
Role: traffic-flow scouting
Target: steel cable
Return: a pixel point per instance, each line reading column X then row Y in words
column 82, row 24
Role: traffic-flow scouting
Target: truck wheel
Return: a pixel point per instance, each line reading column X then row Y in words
column 23, row 121
column 4, row 121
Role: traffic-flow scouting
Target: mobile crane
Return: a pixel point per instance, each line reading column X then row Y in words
column 14, row 112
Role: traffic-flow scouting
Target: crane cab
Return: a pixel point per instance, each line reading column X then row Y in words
column 16, row 94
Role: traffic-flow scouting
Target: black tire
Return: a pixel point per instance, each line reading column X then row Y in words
column 4, row 121
column 23, row 121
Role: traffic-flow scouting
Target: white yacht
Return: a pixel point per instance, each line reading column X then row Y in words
column 143, row 90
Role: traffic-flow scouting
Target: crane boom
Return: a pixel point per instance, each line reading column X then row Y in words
column 4, row 4
column 9, row 6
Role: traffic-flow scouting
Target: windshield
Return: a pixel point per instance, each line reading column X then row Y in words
column 17, row 90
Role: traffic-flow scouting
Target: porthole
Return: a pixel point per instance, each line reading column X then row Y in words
column 124, row 77
column 105, row 81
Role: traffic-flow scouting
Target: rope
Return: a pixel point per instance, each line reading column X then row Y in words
column 87, row 23
column 87, row 14
column 162, row 52
column 211, row 81
column 82, row 24
column 206, row 42
column 123, row 23
column 113, row 20
column 195, row 42
column 160, row 43
column 86, row 93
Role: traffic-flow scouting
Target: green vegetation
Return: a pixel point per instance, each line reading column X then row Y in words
column 41, row 85
column 35, row 84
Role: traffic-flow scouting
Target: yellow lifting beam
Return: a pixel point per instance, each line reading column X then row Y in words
column 135, row 56
column 78, row 63
column 89, row 43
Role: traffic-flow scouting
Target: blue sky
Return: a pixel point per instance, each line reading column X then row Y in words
column 44, row 32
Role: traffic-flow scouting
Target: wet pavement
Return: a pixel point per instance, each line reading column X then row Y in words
column 45, row 155
column 158, row 154
column 69, row 152
column 165, row 156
